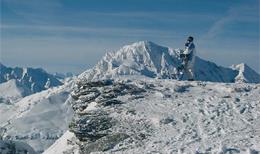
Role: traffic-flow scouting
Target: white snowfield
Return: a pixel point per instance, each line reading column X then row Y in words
column 39, row 119
column 183, row 117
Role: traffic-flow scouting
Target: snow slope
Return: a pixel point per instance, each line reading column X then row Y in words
column 142, row 115
column 25, row 81
column 64, row 144
column 155, row 61
column 39, row 119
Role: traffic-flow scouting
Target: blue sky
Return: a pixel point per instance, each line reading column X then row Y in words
column 72, row 35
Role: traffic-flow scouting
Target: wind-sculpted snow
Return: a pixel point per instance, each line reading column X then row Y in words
column 142, row 115
column 151, row 60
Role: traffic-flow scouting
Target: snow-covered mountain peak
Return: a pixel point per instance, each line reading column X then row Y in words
column 140, row 58
column 144, row 44
column 148, row 59
column 26, row 80
column 146, row 49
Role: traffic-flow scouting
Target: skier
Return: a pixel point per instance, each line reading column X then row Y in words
column 188, row 57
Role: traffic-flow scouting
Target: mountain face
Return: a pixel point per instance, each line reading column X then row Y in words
column 143, row 115
column 24, row 81
column 151, row 60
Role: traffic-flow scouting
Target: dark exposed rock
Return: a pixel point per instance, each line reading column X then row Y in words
column 111, row 102
column 167, row 121
column 100, row 83
column 91, row 126
column 182, row 88
column 105, row 143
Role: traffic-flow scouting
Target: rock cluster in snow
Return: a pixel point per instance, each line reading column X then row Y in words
column 92, row 124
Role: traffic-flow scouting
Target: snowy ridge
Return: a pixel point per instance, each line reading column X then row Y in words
column 149, row 59
column 25, row 80
column 143, row 115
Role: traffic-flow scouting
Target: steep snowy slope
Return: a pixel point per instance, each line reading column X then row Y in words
column 143, row 115
column 151, row 60
column 27, row 81
column 38, row 119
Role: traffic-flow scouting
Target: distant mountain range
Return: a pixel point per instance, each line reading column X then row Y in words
column 19, row 82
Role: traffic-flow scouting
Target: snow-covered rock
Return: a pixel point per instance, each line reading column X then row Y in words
column 24, row 82
column 149, row 59
column 143, row 115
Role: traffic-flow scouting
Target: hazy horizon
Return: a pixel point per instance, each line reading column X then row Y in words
column 72, row 36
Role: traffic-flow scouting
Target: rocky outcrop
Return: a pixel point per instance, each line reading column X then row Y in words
column 94, row 103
